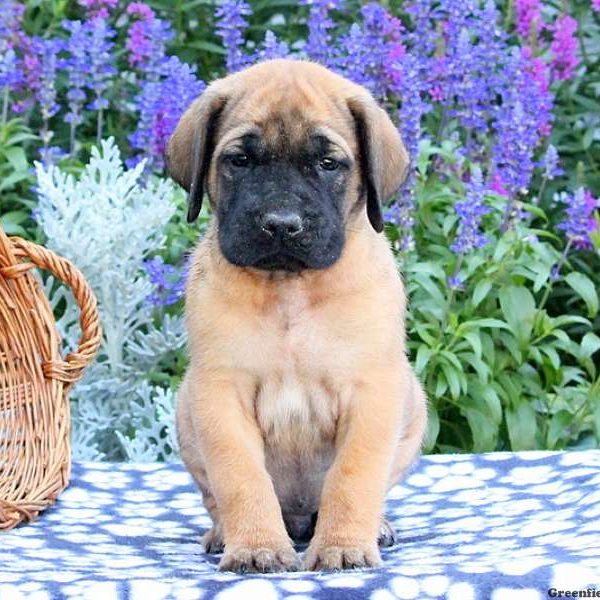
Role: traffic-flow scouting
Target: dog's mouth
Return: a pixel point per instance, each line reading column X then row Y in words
column 281, row 262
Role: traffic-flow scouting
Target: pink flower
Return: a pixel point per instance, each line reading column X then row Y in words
column 496, row 185
column 528, row 17
column 564, row 48
column 143, row 11
column 98, row 8
column 596, row 4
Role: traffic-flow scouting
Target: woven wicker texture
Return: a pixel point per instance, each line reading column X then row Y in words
column 35, row 456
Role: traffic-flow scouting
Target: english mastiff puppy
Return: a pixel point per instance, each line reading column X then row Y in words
column 299, row 409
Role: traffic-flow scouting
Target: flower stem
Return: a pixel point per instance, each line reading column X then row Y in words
column 99, row 127
column 542, row 190
column 561, row 261
column 72, row 140
column 5, row 106
column 459, row 262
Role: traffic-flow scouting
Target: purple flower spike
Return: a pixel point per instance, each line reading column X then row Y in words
column 98, row 8
column 319, row 44
column 231, row 26
column 550, row 163
column 456, row 282
column 101, row 67
column 160, row 104
column 168, row 282
column 564, row 48
column 77, row 68
column 579, row 222
column 528, row 17
column 146, row 39
column 272, row 48
column 470, row 211
column 43, row 63
column 10, row 69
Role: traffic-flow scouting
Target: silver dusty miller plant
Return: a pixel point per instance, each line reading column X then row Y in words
column 107, row 222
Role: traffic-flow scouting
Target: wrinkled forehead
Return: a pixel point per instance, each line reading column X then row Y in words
column 283, row 122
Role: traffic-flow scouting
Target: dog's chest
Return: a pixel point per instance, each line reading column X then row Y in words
column 297, row 420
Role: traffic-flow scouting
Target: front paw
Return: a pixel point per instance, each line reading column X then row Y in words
column 267, row 559
column 322, row 556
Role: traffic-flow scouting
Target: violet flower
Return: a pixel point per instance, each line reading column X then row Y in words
column 271, row 48
column 319, row 41
column 550, row 163
column 77, row 69
column 101, row 69
column 470, row 212
column 231, row 26
column 11, row 73
column 160, row 104
column 521, row 120
column 43, row 64
column 146, row 39
column 168, row 281
column 579, row 222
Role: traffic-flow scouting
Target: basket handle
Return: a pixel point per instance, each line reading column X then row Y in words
column 71, row 368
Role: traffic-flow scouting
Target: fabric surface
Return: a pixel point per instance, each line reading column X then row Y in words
column 514, row 526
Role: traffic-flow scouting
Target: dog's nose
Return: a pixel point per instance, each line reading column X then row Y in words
column 282, row 223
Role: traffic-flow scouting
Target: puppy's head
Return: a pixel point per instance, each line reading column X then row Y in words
column 291, row 155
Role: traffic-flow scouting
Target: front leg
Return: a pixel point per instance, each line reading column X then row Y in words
column 353, row 493
column 232, row 449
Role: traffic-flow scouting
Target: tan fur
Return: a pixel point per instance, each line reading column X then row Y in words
column 299, row 396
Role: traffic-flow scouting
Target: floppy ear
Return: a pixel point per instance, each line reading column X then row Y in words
column 382, row 155
column 191, row 146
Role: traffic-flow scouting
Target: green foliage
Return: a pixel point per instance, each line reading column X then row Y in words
column 504, row 364
column 15, row 178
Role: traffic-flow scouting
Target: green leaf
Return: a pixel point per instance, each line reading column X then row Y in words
column 433, row 428
column 563, row 320
column 423, row 355
column 14, row 217
column 583, row 286
column 17, row 158
column 518, row 307
column 482, row 289
column 590, row 344
column 556, row 430
column 494, row 323
column 521, row 424
column 552, row 354
column 206, row 46
column 473, row 338
column 452, row 377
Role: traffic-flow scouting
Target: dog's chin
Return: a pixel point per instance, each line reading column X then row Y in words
column 282, row 262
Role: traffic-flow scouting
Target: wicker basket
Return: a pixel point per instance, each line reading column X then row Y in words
column 35, row 457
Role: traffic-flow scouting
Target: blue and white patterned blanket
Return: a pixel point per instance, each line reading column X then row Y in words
column 499, row 526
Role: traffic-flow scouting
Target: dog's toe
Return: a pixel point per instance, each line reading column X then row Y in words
column 212, row 541
column 336, row 558
column 387, row 535
column 260, row 560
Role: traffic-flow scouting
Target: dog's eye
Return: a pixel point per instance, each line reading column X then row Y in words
column 329, row 164
column 239, row 160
